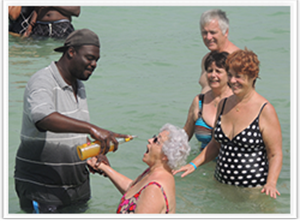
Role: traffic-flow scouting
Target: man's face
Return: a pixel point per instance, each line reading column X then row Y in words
column 212, row 35
column 84, row 61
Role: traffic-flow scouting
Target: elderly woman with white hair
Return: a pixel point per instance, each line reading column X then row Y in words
column 154, row 190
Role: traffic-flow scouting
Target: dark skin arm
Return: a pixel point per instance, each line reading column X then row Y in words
column 59, row 123
column 66, row 11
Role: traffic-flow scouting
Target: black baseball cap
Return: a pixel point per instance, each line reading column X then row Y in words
column 78, row 38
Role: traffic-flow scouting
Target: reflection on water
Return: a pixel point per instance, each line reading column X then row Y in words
column 23, row 84
column 30, row 48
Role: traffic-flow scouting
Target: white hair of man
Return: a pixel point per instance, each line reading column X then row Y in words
column 209, row 15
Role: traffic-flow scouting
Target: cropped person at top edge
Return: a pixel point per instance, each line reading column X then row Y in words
column 54, row 21
column 214, row 28
column 247, row 135
column 21, row 19
column 48, row 171
column 154, row 190
column 202, row 112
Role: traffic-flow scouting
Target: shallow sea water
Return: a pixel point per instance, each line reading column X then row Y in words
column 147, row 76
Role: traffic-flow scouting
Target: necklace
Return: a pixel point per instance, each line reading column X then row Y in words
column 243, row 101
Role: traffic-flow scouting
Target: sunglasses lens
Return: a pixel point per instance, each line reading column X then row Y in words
column 155, row 139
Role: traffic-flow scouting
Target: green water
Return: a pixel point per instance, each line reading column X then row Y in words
column 147, row 76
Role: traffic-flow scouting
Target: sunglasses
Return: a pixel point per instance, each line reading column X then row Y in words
column 155, row 139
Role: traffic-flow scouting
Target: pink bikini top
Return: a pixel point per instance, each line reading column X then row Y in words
column 129, row 205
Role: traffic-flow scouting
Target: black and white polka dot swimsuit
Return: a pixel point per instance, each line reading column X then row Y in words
column 243, row 160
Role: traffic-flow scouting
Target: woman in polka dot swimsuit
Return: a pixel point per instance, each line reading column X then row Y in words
column 247, row 135
column 242, row 161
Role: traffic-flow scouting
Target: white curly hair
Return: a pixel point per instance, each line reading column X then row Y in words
column 176, row 148
column 218, row 14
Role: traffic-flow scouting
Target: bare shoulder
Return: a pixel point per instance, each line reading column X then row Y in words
column 228, row 100
column 166, row 180
column 196, row 99
column 195, row 102
column 268, row 110
column 163, row 177
column 232, row 48
column 268, row 114
column 262, row 102
column 152, row 200
column 203, row 60
column 205, row 56
column 270, row 126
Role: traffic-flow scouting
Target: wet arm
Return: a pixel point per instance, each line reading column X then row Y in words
column 69, row 10
column 59, row 123
column 272, row 137
column 151, row 200
column 209, row 153
column 189, row 126
column 121, row 182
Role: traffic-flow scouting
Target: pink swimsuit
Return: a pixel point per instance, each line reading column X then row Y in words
column 129, row 205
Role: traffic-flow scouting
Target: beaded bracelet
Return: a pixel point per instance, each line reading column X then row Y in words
column 193, row 165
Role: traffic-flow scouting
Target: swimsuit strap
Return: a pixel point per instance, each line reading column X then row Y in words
column 139, row 178
column 223, row 106
column 201, row 98
column 262, row 108
column 258, row 113
column 162, row 190
column 145, row 171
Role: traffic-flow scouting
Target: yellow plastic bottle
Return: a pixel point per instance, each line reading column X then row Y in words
column 87, row 150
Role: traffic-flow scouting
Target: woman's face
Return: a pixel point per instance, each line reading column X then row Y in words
column 154, row 152
column 239, row 83
column 216, row 77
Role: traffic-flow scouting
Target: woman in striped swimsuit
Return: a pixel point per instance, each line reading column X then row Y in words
column 202, row 112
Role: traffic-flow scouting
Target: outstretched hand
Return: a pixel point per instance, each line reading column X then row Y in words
column 94, row 164
column 270, row 190
column 187, row 170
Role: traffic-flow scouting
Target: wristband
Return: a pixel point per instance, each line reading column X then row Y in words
column 193, row 165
